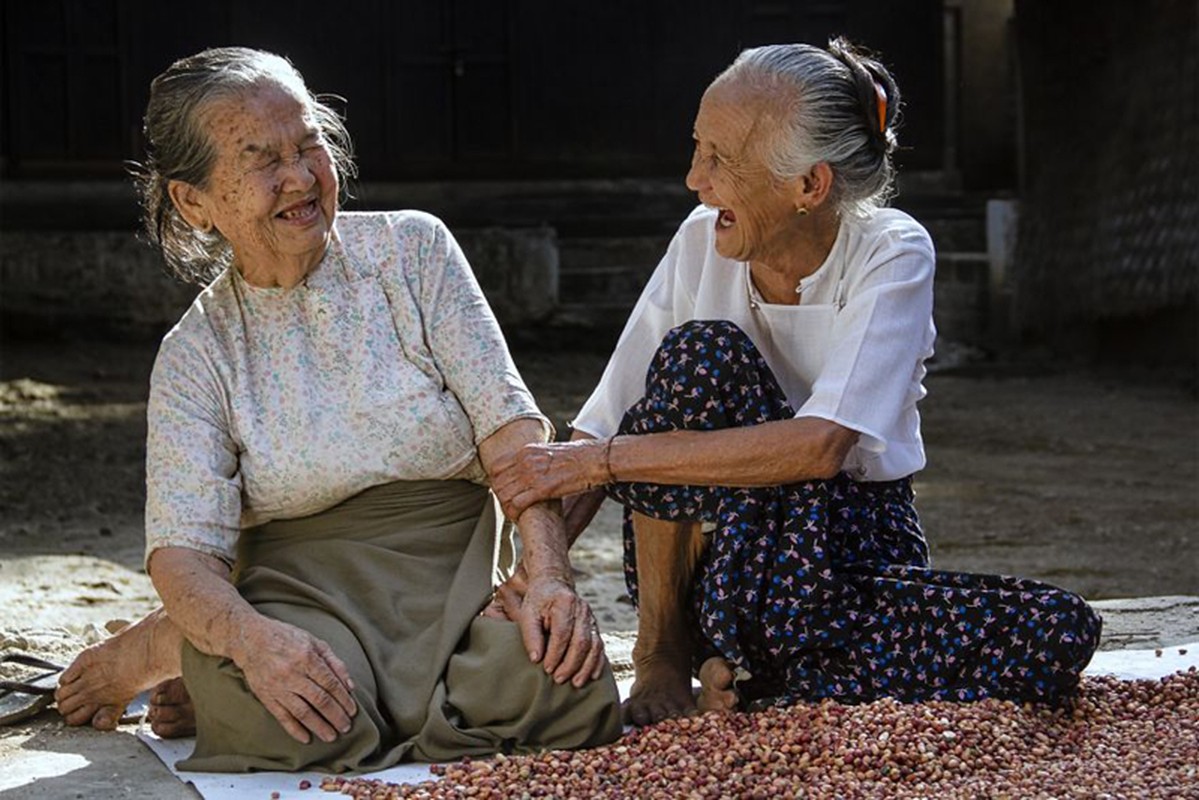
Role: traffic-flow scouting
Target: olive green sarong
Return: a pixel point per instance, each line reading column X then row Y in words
column 393, row 579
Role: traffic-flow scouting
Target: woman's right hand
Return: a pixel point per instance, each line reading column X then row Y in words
column 295, row 675
column 298, row 678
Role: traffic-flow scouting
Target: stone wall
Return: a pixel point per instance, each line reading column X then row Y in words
column 109, row 283
column 1110, row 209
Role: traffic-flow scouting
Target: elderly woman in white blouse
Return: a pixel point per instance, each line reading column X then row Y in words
column 322, row 423
column 758, row 421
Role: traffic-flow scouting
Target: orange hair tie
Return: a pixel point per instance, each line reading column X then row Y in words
column 881, row 95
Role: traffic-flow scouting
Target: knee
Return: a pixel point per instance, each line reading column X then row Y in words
column 1081, row 628
column 528, row 711
column 718, row 334
column 236, row 733
column 705, row 374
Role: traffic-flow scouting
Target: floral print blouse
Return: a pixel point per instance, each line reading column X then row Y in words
column 385, row 364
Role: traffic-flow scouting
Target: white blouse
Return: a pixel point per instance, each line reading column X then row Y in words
column 385, row 364
column 851, row 352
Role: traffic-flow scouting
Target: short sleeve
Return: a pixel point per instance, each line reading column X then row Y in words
column 193, row 490
column 663, row 304
column 880, row 340
column 466, row 341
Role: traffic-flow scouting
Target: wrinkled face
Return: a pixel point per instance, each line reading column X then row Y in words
column 728, row 172
column 273, row 189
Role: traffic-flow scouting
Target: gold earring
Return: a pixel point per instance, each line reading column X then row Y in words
column 802, row 211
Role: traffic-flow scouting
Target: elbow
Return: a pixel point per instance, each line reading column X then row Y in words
column 829, row 450
column 828, row 466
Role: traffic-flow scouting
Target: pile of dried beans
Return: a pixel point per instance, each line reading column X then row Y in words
column 1120, row 739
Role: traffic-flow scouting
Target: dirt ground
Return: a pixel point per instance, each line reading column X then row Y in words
column 1085, row 478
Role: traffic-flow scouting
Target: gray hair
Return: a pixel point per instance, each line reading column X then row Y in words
column 178, row 146
column 827, row 108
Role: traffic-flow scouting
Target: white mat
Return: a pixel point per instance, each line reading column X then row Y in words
column 1127, row 664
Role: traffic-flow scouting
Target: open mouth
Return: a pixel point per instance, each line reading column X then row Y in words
column 300, row 212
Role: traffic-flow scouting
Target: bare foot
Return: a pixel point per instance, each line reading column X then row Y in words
column 716, row 692
column 172, row 715
column 662, row 686
column 101, row 681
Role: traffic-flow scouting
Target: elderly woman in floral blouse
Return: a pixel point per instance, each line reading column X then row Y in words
column 322, row 423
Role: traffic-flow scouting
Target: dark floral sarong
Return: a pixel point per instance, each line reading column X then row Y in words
column 823, row 588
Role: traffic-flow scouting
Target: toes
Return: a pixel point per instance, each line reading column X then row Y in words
column 169, row 715
column 107, row 718
column 71, row 704
column 171, row 692
column 81, row 715
column 648, row 710
column 636, row 714
column 716, row 674
column 175, row 729
column 72, row 673
column 718, row 701
column 665, row 710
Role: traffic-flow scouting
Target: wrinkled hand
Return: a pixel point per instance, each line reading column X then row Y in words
column 509, row 597
column 538, row 472
column 573, row 650
column 299, row 679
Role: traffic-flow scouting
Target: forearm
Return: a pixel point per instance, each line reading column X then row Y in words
column 769, row 454
column 542, row 537
column 579, row 509
column 556, row 625
column 201, row 601
column 543, row 543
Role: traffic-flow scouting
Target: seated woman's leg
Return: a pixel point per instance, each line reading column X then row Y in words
column 915, row 633
column 667, row 553
column 494, row 699
column 100, row 682
column 236, row 733
column 925, row 634
column 795, row 586
column 1032, row 642
column 874, row 523
column 705, row 376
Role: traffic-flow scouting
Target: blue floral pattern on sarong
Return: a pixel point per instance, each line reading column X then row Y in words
column 822, row 589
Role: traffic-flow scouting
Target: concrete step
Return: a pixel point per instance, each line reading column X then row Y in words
column 621, row 283
column 961, row 297
column 583, row 252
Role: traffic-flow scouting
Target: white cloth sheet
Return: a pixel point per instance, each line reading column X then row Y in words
column 1126, row 664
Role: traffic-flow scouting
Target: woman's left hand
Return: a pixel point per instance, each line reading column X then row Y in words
column 538, row 472
column 508, row 597
column 573, row 649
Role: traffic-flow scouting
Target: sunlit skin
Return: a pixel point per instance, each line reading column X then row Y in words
column 273, row 190
column 759, row 220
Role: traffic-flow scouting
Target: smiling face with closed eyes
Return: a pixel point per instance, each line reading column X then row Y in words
column 272, row 191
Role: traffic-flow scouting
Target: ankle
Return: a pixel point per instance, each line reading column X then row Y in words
column 662, row 652
column 163, row 648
